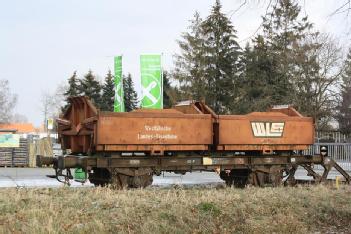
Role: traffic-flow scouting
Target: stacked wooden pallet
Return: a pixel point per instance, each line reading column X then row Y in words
column 6, row 156
column 39, row 147
column 20, row 156
column 17, row 157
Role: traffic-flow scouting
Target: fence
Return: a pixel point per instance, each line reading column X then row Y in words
column 340, row 152
column 332, row 136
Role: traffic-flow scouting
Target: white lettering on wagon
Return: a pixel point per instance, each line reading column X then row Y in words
column 157, row 128
column 157, row 136
column 267, row 129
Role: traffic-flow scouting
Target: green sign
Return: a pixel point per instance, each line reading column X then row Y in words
column 151, row 81
column 9, row 140
column 119, row 100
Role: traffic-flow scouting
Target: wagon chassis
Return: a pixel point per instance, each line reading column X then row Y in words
column 236, row 170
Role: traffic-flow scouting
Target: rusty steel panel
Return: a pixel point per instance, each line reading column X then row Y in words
column 265, row 131
column 143, row 148
column 84, row 129
column 72, row 134
column 130, row 131
column 261, row 147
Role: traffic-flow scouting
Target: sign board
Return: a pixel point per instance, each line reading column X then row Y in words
column 151, row 81
column 119, row 95
column 50, row 124
column 9, row 140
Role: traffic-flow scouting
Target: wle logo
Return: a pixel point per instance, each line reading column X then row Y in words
column 267, row 129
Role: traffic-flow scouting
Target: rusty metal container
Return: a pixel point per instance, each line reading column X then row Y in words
column 190, row 126
column 153, row 130
column 85, row 130
column 282, row 129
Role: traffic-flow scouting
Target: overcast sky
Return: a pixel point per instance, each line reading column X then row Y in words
column 42, row 42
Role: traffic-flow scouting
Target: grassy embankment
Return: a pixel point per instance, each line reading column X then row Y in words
column 195, row 210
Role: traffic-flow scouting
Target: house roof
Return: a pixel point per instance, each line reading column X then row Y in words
column 20, row 127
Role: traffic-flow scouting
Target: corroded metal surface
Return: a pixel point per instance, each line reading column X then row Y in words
column 265, row 131
column 192, row 126
column 157, row 131
column 83, row 129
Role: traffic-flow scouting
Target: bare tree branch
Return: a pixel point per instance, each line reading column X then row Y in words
column 7, row 102
column 346, row 6
column 237, row 9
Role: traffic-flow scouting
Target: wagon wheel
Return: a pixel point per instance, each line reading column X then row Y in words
column 262, row 178
column 140, row 181
column 290, row 180
column 100, row 177
column 122, row 181
column 240, row 177
column 276, row 178
column 224, row 175
column 118, row 180
column 97, row 182
column 237, row 178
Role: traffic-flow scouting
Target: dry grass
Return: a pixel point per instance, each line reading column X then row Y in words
column 177, row 210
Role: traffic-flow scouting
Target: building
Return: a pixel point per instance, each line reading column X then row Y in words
column 22, row 129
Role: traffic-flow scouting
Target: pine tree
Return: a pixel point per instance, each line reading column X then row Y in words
column 207, row 67
column 171, row 94
column 344, row 116
column 166, row 88
column 305, row 63
column 130, row 96
column 73, row 89
column 190, row 63
column 108, row 93
column 284, row 29
column 89, row 86
column 256, row 80
column 306, row 80
column 72, row 85
column 222, row 53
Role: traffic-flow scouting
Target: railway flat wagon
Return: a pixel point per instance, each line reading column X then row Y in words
column 127, row 149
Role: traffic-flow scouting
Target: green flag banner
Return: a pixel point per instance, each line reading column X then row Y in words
column 151, row 81
column 119, row 96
